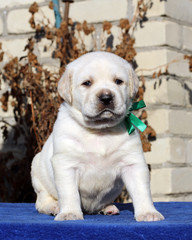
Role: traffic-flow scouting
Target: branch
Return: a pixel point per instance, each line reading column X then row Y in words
column 33, row 119
column 10, row 125
column 160, row 66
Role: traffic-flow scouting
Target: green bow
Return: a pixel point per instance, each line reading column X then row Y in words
column 131, row 121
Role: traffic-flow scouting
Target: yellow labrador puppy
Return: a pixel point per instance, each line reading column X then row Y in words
column 90, row 155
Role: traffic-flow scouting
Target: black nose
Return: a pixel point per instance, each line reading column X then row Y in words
column 106, row 98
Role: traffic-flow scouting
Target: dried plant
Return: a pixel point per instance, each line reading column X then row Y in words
column 33, row 90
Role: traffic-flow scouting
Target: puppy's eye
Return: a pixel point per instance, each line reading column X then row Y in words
column 118, row 81
column 87, row 83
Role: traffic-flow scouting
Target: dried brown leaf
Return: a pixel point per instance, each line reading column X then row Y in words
column 1, row 56
column 145, row 143
column 32, row 22
column 189, row 58
column 79, row 27
column 159, row 73
column 51, row 5
column 154, row 75
column 4, row 100
column 144, row 115
column 87, row 29
column 166, row 70
column 107, row 27
column 70, row 21
column 124, row 24
column 34, row 8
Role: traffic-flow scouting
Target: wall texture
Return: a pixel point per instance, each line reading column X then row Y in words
column 164, row 39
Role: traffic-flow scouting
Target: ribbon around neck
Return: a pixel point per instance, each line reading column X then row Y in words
column 131, row 121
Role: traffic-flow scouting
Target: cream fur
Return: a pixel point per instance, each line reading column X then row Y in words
column 89, row 155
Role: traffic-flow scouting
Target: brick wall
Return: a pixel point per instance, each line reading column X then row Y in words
column 166, row 36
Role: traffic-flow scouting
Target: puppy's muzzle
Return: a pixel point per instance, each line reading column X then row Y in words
column 105, row 99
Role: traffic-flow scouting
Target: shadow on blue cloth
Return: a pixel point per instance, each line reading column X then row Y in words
column 123, row 207
column 22, row 221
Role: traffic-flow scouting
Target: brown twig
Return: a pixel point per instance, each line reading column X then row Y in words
column 160, row 66
column 134, row 19
column 66, row 12
column 34, row 127
column 10, row 125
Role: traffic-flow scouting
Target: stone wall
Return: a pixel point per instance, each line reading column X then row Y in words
column 165, row 38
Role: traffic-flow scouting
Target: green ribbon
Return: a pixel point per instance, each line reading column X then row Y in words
column 131, row 121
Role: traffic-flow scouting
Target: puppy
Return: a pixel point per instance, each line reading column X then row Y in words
column 90, row 156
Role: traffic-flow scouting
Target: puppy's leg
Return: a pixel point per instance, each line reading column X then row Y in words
column 137, row 182
column 66, row 181
column 45, row 203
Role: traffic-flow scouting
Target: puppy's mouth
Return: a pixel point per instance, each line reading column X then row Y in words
column 105, row 116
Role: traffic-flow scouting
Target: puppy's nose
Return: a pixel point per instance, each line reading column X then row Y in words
column 106, row 97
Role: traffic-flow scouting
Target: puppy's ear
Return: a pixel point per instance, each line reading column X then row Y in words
column 133, row 83
column 65, row 86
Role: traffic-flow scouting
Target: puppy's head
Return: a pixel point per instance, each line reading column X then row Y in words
column 101, row 86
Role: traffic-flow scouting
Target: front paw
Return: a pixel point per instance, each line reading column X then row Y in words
column 149, row 217
column 69, row 216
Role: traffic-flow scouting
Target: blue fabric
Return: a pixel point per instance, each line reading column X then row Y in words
column 22, row 221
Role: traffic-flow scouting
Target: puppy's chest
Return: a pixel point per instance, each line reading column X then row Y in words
column 100, row 152
column 97, row 145
column 101, row 145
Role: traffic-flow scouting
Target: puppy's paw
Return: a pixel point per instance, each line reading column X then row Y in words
column 149, row 217
column 49, row 207
column 68, row 216
column 110, row 210
column 55, row 209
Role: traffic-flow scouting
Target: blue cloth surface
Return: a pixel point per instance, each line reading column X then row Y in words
column 22, row 221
